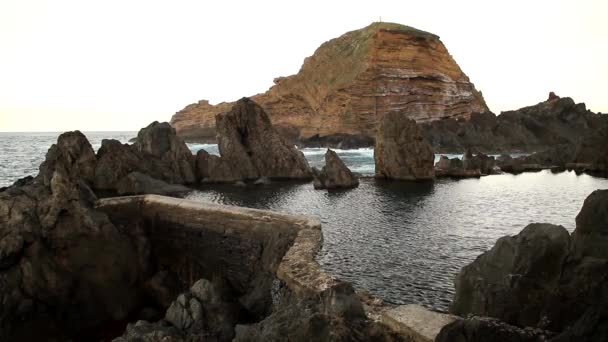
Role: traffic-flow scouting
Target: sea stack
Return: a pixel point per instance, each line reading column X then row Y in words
column 401, row 151
column 251, row 148
column 351, row 82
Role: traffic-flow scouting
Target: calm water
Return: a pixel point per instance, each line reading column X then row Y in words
column 402, row 241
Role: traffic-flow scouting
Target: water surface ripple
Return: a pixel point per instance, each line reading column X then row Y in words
column 406, row 241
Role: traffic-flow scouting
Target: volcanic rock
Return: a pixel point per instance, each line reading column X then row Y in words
column 64, row 267
column 529, row 129
column 483, row 329
column 351, row 82
column 517, row 278
column 335, row 174
column 214, row 169
column 249, row 145
column 543, row 277
column 114, row 162
column 453, row 167
column 479, row 162
column 158, row 141
column 136, row 183
column 401, row 151
column 157, row 152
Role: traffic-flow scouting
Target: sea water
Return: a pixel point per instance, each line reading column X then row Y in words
column 402, row 241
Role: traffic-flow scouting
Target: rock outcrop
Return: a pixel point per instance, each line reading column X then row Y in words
column 334, row 174
column 351, row 82
column 137, row 183
column 545, row 278
column 157, row 152
column 557, row 121
column 64, row 267
column 251, row 148
column 401, row 150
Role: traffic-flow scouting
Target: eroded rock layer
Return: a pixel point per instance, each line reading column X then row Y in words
column 350, row 82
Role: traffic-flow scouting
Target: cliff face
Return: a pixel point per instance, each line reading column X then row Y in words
column 350, row 82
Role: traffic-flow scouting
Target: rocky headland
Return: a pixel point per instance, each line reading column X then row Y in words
column 345, row 88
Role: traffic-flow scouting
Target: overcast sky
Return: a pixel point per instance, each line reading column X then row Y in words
column 118, row 65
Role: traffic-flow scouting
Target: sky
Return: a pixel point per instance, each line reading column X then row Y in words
column 118, row 65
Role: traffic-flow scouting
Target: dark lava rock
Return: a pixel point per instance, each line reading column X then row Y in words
column 478, row 162
column 517, row 278
column 335, row 174
column 158, row 153
column 136, row 183
column 249, row 145
column 484, row 329
column 543, row 277
column 338, row 141
column 158, row 142
column 212, row 168
column 401, row 150
column 530, row 129
column 64, row 267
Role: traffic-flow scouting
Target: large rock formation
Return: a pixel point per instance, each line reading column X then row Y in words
column 401, row 151
column 64, row 267
column 334, row 174
column 545, row 278
column 557, row 121
column 157, row 153
column 350, row 82
column 251, row 148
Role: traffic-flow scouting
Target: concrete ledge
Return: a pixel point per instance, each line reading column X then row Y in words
column 416, row 322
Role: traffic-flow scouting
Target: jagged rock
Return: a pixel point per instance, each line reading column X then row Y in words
column 593, row 150
column 136, row 183
column 529, row 129
column 115, row 161
column 334, row 174
column 158, row 141
column 157, row 153
column 64, row 266
column 454, row 167
column 401, row 151
column 479, row 162
column 350, row 82
column 249, row 145
column 543, row 277
column 212, row 168
column 517, row 278
column 483, row 329
column 339, row 141
column 72, row 156
column 590, row 238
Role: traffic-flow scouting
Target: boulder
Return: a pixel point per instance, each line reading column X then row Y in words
column 115, row 161
column 479, row 162
column 590, row 238
column 136, row 183
column 168, row 156
column 454, row 168
column 401, row 151
column 213, row 169
column 334, row 174
column 250, row 145
column 517, row 279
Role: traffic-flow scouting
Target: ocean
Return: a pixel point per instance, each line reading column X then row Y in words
column 402, row 241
